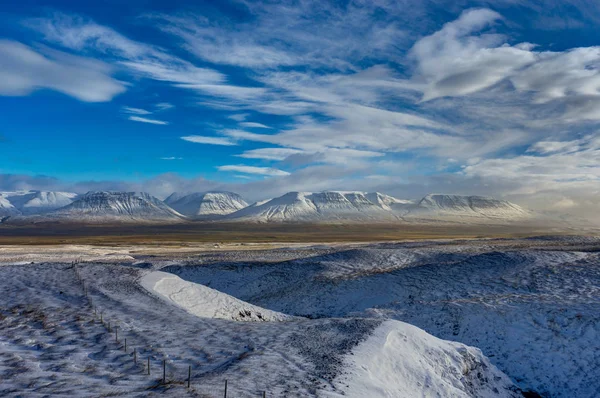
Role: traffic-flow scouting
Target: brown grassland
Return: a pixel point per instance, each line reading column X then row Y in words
column 49, row 233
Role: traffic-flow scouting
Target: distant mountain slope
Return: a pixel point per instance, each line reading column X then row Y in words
column 7, row 208
column 206, row 204
column 39, row 202
column 334, row 206
column 117, row 207
column 319, row 207
column 453, row 206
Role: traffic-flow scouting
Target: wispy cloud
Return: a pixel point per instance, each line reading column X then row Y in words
column 171, row 158
column 240, row 117
column 254, row 125
column 270, row 153
column 163, row 106
column 146, row 120
column 200, row 139
column 266, row 171
column 24, row 70
column 135, row 111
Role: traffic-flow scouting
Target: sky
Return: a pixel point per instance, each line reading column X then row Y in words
column 497, row 98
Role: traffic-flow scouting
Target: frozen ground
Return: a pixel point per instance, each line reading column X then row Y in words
column 530, row 305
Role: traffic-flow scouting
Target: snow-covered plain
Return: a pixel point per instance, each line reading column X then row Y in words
column 530, row 305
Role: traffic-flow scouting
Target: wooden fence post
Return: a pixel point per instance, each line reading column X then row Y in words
column 164, row 371
column 125, row 345
column 134, row 356
column 189, row 375
column 225, row 395
column 148, row 366
column 117, row 334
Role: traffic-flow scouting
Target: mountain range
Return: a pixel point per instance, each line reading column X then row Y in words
column 292, row 207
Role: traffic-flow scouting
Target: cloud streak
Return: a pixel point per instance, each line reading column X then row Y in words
column 146, row 120
column 265, row 171
column 200, row 139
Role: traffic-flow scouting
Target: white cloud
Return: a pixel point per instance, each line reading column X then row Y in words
column 171, row 158
column 240, row 117
column 270, row 153
column 254, row 125
column 146, row 120
column 199, row 139
column 454, row 62
column 135, row 111
column 266, row 171
column 24, row 70
column 163, row 106
column 284, row 34
column 148, row 61
column 558, row 163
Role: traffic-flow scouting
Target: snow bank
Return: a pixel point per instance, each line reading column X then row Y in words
column 401, row 360
column 203, row 301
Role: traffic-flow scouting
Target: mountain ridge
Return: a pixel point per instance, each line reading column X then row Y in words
column 209, row 204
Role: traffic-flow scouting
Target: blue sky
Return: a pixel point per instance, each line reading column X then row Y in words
column 405, row 97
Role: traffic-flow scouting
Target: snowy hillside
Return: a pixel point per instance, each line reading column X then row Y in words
column 530, row 305
column 206, row 204
column 55, row 344
column 441, row 206
column 401, row 360
column 117, row 207
column 39, row 202
column 320, row 206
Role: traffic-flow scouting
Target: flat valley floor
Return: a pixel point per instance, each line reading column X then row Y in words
column 503, row 316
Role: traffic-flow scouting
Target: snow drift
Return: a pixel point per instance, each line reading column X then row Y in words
column 401, row 360
column 203, row 301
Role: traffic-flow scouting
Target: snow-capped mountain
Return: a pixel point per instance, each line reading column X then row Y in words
column 39, row 202
column 206, row 204
column 117, row 207
column 332, row 206
column 320, row 206
column 388, row 202
column 7, row 208
column 456, row 206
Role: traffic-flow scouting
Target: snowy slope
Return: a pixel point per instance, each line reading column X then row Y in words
column 443, row 206
column 401, row 360
column 117, row 207
column 317, row 207
column 7, row 208
column 206, row 204
column 53, row 344
column 530, row 305
column 203, row 301
column 39, row 202
column 388, row 202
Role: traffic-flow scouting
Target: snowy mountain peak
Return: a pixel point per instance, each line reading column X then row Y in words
column 457, row 205
column 206, row 204
column 119, row 207
column 37, row 202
